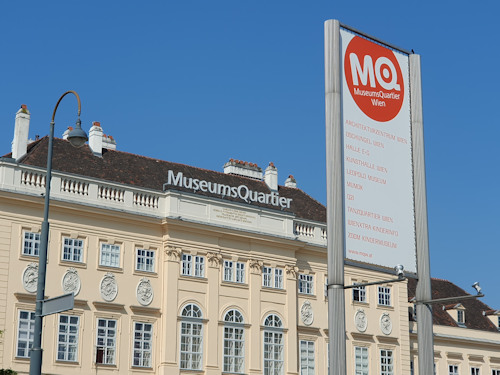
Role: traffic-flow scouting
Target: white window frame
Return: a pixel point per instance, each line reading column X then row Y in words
column 272, row 277
column 31, row 243
column 460, row 317
column 109, row 255
column 106, row 335
column 384, row 296
column 495, row 371
column 72, row 250
column 142, row 355
column 25, row 333
column 233, row 350
column 453, row 370
column 386, row 362
column 191, row 340
column 193, row 265
column 361, row 360
column 359, row 294
column 68, row 338
column 306, row 284
column 234, row 271
column 475, row 370
column 307, row 357
column 273, row 346
column 145, row 260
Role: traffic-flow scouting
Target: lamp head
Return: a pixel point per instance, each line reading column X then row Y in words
column 77, row 137
column 477, row 287
column 400, row 271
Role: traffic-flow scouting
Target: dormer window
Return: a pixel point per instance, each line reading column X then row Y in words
column 457, row 312
column 494, row 316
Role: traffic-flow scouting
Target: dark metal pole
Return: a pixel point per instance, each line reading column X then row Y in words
column 36, row 350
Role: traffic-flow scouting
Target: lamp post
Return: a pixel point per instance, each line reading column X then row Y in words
column 77, row 137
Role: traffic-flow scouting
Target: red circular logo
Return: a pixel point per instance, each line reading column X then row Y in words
column 374, row 78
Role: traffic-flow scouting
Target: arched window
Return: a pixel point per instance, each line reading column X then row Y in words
column 273, row 345
column 191, row 338
column 234, row 343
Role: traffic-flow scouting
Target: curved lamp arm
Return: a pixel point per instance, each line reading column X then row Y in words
column 59, row 101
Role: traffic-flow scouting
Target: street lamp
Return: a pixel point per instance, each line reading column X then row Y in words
column 77, row 137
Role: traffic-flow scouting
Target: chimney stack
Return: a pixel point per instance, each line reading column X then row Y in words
column 243, row 168
column 290, row 182
column 271, row 177
column 95, row 138
column 21, row 130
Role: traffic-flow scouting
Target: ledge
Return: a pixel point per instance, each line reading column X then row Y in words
column 145, row 310
column 109, row 306
column 25, row 297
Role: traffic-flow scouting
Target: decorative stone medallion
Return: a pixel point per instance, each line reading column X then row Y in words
column 360, row 320
column 109, row 288
column 30, row 277
column 144, row 292
column 386, row 324
column 306, row 313
column 71, row 281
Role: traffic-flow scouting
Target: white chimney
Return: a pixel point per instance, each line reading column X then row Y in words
column 21, row 130
column 108, row 142
column 95, row 138
column 271, row 176
column 243, row 168
column 290, row 182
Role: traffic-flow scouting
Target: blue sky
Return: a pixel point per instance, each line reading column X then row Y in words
column 200, row 82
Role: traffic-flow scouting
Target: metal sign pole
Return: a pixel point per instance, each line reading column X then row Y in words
column 335, row 192
column 423, row 292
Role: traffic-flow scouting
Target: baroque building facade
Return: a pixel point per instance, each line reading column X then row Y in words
column 179, row 270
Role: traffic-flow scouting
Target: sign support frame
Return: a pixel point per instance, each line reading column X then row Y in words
column 335, row 206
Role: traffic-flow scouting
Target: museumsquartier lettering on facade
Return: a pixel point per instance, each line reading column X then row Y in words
column 180, row 270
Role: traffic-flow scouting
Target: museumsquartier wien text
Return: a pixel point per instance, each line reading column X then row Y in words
column 242, row 192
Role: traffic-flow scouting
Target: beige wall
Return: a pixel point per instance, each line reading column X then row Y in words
column 172, row 291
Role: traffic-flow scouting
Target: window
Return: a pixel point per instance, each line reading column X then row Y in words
column 110, row 255
column 495, row 372
column 453, row 370
column 25, row 333
column 272, row 277
column 193, row 265
column 361, row 360
column 191, row 338
column 31, row 244
column 234, row 352
column 461, row 317
column 72, row 250
column 67, row 342
column 359, row 294
column 412, row 368
column 234, row 271
column 145, row 260
column 305, row 284
column 143, row 343
column 474, row 371
column 106, row 341
column 384, row 296
column 386, row 362
column 273, row 346
column 306, row 357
